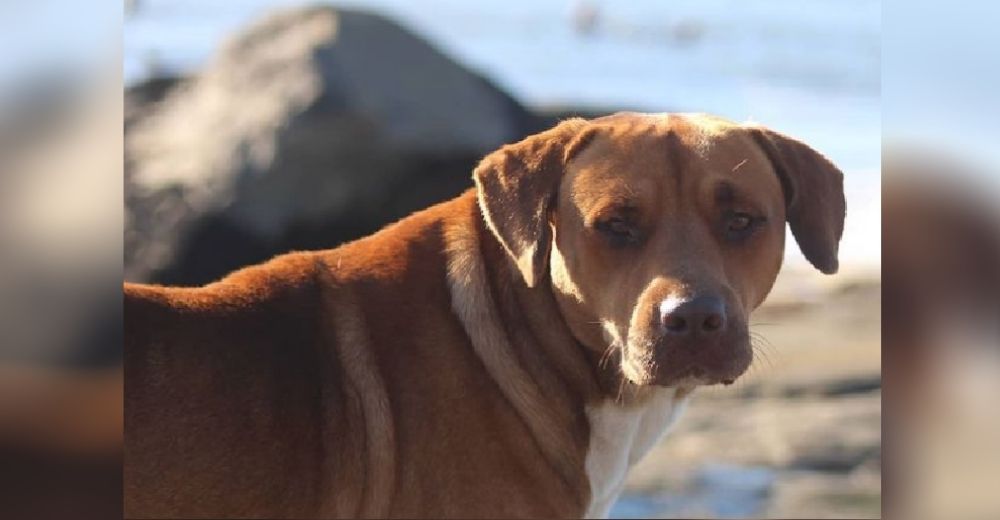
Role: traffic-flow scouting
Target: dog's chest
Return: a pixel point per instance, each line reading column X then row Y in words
column 619, row 437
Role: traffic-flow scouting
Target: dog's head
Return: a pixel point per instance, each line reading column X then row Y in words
column 659, row 234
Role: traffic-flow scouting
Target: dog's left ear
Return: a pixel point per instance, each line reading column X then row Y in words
column 517, row 186
column 814, row 196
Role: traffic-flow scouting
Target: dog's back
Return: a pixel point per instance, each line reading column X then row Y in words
column 249, row 348
column 300, row 387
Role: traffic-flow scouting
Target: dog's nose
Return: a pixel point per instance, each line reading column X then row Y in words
column 699, row 315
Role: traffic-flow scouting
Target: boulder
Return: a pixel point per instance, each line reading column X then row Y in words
column 311, row 127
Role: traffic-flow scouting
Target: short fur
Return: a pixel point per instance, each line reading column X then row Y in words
column 469, row 360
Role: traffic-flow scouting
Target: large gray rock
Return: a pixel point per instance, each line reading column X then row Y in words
column 311, row 127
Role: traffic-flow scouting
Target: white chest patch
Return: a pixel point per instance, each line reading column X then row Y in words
column 621, row 435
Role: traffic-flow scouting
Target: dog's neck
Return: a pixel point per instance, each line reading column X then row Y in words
column 589, row 425
column 538, row 326
column 607, row 423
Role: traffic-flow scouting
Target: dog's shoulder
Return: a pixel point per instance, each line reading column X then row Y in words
column 406, row 257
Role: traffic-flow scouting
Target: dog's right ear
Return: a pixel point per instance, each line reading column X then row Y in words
column 516, row 187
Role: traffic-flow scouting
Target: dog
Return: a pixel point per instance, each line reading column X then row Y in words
column 508, row 353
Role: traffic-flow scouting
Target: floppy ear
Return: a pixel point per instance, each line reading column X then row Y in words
column 516, row 187
column 814, row 196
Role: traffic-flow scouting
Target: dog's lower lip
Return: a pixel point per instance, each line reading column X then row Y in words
column 727, row 381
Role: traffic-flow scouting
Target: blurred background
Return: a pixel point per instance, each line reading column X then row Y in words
column 270, row 120
column 252, row 128
column 941, row 188
column 255, row 127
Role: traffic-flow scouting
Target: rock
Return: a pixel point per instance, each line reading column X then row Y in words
column 824, row 495
column 816, row 385
column 314, row 126
column 144, row 98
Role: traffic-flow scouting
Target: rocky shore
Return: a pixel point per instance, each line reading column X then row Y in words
column 315, row 126
column 311, row 127
column 800, row 435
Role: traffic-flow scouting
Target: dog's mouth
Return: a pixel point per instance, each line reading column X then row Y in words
column 689, row 376
column 645, row 367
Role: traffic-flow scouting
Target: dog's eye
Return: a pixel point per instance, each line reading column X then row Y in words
column 740, row 222
column 741, row 225
column 618, row 230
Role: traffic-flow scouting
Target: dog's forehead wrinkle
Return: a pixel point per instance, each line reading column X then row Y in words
column 725, row 192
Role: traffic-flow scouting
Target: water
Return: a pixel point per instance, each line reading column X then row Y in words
column 717, row 491
column 810, row 69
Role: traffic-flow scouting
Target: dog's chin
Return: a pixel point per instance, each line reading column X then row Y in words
column 687, row 381
column 654, row 363
column 682, row 377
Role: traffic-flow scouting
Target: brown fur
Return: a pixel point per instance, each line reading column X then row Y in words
column 442, row 367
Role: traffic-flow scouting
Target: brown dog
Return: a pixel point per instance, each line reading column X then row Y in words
column 509, row 353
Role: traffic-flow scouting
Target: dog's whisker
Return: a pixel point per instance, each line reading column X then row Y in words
column 606, row 356
column 761, row 339
column 766, row 355
column 762, row 354
column 620, row 398
column 765, row 348
column 763, row 324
